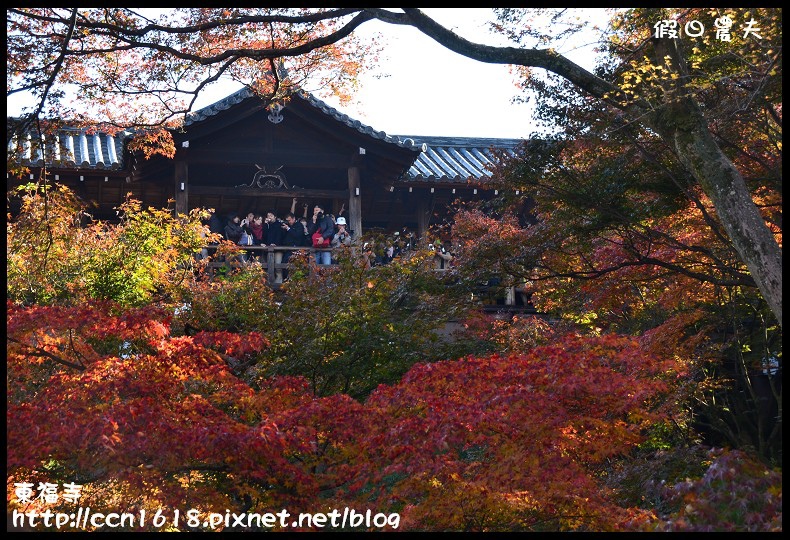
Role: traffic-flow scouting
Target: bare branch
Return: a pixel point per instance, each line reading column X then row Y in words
column 36, row 351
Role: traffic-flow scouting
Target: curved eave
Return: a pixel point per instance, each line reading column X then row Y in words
column 405, row 142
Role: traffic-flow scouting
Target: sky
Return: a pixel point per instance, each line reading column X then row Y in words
column 433, row 91
column 421, row 88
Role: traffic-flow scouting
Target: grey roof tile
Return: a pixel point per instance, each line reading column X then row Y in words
column 456, row 159
column 75, row 148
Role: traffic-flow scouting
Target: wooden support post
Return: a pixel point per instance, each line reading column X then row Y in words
column 510, row 296
column 354, row 202
column 182, row 181
column 423, row 215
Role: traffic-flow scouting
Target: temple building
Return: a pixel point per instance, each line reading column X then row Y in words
column 243, row 154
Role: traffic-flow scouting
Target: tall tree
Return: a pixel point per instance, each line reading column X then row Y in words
column 671, row 110
column 101, row 51
column 626, row 242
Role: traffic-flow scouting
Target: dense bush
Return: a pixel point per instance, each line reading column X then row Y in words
column 346, row 329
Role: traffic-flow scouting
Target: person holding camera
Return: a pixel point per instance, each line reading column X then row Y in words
column 272, row 230
column 293, row 234
column 247, row 238
column 342, row 237
column 246, row 230
column 442, row 257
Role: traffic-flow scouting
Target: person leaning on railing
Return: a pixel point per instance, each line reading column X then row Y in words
column 321, row 222
column 233, row 228
column 257, row 230
column 273, row 236
column 342, row 237
column 293, row 234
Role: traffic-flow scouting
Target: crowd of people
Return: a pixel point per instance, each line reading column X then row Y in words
column 322, row 231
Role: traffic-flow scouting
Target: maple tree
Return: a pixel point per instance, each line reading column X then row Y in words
column 58, row 254
column 615, row 233
column 672, row 89
column 144, row 418
column 120, row 57
column 439, row 446
column 347, row 329
column 641, row 257
column 190, row 399
column 735, row 493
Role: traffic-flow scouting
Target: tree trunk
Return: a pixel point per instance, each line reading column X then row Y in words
column 684, row 126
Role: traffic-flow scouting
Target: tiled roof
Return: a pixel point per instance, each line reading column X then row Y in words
column 457, row 159
column 405, row 142
column 440, row 159
column 76, row 148
column 245, row 93
column 218, row 106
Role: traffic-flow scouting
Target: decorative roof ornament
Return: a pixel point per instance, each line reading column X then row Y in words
column 274, row 113
column 267, row 179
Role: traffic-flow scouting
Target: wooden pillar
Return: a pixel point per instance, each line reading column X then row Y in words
column 354, row 201
column 182, row 187
column 423, row 214
column 80, row 188
column 510, row 296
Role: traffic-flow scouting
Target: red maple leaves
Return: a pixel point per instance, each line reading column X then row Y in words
column 476, row 443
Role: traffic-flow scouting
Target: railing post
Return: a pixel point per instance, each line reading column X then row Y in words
column 510, row 296
column 270, row 271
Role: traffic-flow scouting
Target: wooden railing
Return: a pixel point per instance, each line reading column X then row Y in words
column 265, row 255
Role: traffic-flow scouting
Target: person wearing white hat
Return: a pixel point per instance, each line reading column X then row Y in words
column 342, row 237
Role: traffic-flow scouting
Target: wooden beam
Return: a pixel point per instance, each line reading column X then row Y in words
column 259, row 192
column 248, row 156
